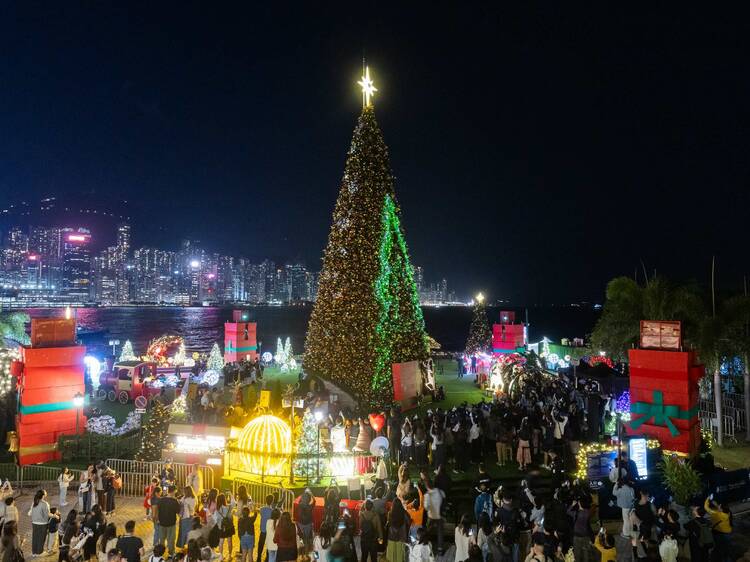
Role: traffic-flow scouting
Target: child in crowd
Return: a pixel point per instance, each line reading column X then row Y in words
column 52, row 526
column 246, row 532
column 148, row 494
column 158, row 554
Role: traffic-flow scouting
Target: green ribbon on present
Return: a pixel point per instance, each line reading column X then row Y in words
column 661, row 414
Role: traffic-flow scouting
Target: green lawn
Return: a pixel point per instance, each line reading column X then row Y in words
column 733, row 457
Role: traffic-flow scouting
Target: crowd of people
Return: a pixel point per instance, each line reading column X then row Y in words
column 548, row 517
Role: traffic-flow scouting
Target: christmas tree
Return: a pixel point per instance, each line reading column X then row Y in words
column 307, row 446
column 179, row 357
column 480, row 334
column 154, row 433
column 367, row 313
column 279, row 357
column 215, row 360
column 127, row 352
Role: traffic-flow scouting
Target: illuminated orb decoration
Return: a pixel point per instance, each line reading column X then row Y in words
column 210, row 378
column 163, row 347
column 267, row 357
column 94, row 369
column 265, row 445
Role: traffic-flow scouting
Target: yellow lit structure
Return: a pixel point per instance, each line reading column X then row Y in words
column 368, row 88
column 265, row 445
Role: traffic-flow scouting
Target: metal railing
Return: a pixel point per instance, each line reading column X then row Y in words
column 733, row 406
column 259, row 490
column 710, row 422
column 274, row 467
column 139, row 473
column 94, row 446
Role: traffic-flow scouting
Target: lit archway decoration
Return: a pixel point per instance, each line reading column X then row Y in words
column 162, row 347
column 265, row 446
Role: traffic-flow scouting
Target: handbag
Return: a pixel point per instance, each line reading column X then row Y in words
column 117, row 482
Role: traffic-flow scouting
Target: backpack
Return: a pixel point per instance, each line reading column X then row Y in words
column 705, row 535
column 15, row 555
column 227, row 525
column 367, row 529
column 213, row 537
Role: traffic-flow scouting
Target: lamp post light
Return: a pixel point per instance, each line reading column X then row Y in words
column 78, row 403
column 114, row 344
column 318, row 418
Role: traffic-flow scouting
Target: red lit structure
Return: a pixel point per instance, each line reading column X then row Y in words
column 240, row 338
column 507, row 336
column 664, row 397
column 51, row 374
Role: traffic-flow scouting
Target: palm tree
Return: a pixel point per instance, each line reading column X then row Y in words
column 721, row 335
column 13, row 327
column 627, row 303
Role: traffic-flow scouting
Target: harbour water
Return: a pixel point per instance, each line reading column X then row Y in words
column 202, row 326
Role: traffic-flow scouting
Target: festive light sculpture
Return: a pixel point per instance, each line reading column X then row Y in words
column 265, row 445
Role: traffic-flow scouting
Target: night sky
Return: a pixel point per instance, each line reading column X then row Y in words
column 537, row 153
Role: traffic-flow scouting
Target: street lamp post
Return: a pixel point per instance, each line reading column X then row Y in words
column 78, row 403
column 114, row 344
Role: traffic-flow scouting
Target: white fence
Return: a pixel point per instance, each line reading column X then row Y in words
column 136, row 475
column 258, row 491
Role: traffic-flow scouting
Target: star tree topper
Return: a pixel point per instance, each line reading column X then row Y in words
column 368, row 88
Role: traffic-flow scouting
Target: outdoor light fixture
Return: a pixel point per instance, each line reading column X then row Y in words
column 78, row 403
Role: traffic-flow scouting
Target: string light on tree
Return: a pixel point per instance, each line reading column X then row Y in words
column 307, row 446
column 127, row 352
column 480, row 334
column 154, row 433
column 367, row 314
column 7, row 356
column 215, row 359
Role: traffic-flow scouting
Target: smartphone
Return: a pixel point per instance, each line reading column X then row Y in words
column 342, row 525
column 316, row 555
column 711, row 497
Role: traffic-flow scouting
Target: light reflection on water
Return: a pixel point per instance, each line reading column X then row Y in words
column 202, row 326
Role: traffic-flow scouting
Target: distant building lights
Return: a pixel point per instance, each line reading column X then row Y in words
column 195, row 264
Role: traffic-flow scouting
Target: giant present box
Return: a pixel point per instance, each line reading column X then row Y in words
column 508, row 338
column 664, row 397
column 50, row 378
column 240, row 341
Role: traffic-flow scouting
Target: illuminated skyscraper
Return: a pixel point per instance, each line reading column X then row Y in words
column 76, row 264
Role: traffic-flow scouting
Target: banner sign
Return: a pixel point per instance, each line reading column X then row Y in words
column 661, row 335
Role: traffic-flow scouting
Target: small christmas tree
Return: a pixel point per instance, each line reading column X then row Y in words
column 179, row 357
column 480, row 335
column 179, row 408
column 154, row 433
column 280, row 356
column 288, row 354
column 307, row 447
column 127, row 352
column 215, row 360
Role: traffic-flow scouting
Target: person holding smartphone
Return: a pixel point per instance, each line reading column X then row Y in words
column 371, row 532
column 322, row 542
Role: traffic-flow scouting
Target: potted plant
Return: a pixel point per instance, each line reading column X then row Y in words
column 682, row 480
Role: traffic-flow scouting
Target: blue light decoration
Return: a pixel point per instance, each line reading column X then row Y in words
column 622, row 404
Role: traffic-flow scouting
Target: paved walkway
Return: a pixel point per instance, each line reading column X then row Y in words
column 126, row 508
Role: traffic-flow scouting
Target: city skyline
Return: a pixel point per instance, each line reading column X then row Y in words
column 46, row 265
